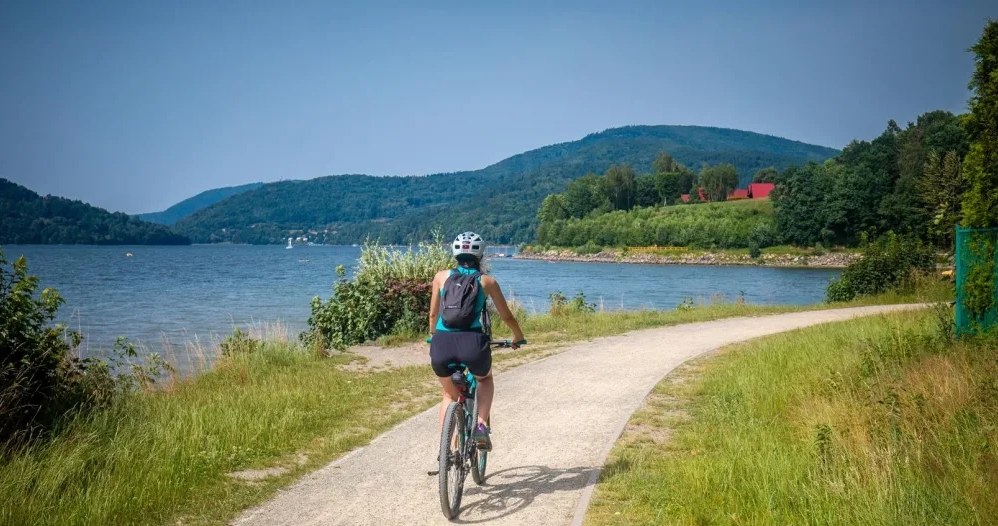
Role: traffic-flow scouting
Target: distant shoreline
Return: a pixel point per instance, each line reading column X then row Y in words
column 829, row 260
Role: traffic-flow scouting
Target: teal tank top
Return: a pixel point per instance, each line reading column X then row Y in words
column 479, row 304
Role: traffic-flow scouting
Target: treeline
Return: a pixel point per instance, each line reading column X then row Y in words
column 741, row 224
column 909, row 181
column 27, row 218
column 594, row 209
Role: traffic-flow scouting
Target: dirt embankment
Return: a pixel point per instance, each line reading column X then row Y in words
column 826, row 260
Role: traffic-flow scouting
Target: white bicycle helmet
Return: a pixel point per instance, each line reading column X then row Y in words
column 469, row 243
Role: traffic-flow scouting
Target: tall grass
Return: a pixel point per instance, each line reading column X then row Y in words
column 385, row 263
column 874, row 421
column 165, row 456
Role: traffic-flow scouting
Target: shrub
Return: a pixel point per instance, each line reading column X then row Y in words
column 239, row 343
column 515, row 307
column 588, row 248
column 41, row 378
column 389, row 294
column 561, row 305
column 887, row 264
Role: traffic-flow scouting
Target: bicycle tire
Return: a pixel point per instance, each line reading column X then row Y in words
column 479, row 458
column 451, row 476
column 478, row 463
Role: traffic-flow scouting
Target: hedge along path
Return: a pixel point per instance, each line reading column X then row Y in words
column 554, row 423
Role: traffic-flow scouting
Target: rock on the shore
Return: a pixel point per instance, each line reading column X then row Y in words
column 827, row 260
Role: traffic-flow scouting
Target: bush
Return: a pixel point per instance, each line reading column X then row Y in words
column 239, row 343
column 561, row 305
column 390, row 294
column 887, row 264
column 588, row 248
column 41, row 378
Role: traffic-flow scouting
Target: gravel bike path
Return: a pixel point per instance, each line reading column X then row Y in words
column 554, row 423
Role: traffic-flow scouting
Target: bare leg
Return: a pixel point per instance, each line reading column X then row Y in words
column 486, row 391
column 450, row 394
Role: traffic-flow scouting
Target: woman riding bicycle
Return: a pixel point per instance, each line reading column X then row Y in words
column 469, row 346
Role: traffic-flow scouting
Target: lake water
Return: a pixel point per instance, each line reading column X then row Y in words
column 166, row 296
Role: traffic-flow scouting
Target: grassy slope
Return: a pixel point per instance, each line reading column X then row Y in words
column 164, row 456
column 873, row 421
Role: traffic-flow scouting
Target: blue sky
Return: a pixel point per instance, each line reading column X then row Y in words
column 133, row 106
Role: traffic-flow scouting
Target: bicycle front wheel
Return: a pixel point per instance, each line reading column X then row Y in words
column 451, row 476
column 479, row 458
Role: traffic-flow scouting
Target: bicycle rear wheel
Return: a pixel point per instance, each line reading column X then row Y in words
column 478, row 461
column 451, row 476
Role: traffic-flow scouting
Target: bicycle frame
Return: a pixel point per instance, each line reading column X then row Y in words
column 467, row 401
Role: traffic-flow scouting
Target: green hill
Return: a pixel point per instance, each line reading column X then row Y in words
column 28, row 218
column 499, row 201
column 193, row 204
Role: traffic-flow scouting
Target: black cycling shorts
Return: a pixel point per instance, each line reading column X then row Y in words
column 468, row 347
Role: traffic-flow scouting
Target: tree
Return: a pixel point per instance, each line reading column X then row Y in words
column 980, row 167
column 717, row 181
column 941, row 189
column 646, row 191
column 799, row 203
column 619, row 186
column 664, row 163
column 584, row 195
column 552, row 209
column 766, row 175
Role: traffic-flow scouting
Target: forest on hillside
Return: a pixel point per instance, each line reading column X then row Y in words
column 499, row 201
column 28, row 218
column 908, row 180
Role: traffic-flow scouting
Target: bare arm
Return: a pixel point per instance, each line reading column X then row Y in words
column 435, row 300
column 492, row 288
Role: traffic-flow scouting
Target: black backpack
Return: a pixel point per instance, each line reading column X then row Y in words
column 460, row 295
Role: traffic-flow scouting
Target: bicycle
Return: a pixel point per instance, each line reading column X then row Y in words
column 459, row 454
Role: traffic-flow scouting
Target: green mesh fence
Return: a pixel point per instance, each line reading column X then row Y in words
column 976, row 279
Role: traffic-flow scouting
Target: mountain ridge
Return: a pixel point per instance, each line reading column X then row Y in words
column 503, row 200
column 192, row 204
column 29, row 218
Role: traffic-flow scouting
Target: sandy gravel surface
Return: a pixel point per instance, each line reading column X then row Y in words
column 554, row 423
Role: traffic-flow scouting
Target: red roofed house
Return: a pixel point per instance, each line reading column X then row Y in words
column 738, row 193
column 760, row 190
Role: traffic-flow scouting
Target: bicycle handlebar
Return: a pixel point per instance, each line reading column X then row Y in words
column 496, row 343
column 507, row 343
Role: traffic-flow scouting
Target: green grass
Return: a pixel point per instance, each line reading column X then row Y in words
column 547, row 328
column 874, row 421
column 163, row 457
